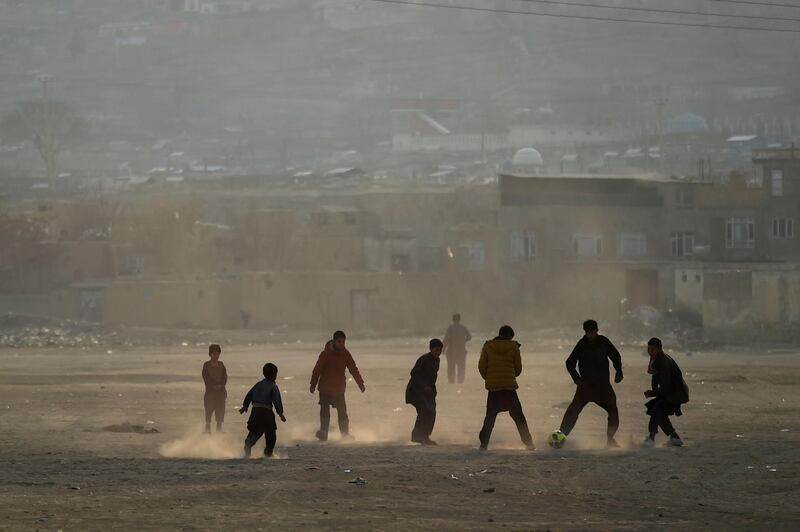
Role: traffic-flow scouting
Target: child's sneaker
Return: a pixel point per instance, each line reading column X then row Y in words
column 648, row 443
column 246, row 451
column 675, row 441
column 612, row 444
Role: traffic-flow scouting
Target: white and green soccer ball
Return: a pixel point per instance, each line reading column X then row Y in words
column 556, row 439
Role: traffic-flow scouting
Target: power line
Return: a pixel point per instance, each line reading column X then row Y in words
column 756, row 3
column 585, row 17
column 656, row 10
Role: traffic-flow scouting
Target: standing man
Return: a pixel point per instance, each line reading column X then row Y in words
column 455, row 341
column 591, row 355
column 329, row 376
column 500, row 365
column 668, row 391
column 421, row 392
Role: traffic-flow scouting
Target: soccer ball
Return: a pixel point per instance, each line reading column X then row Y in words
column 556, row 439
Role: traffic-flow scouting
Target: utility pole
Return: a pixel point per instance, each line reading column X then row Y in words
column 660, row 102
column 47, row 144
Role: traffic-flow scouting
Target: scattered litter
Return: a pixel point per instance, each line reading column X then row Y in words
column 149, row 422
column 358, row 481
column 348, row 470
column 489, row 490
column 453, row 477
column 312, row 468
column 772, row 469
column 708, row 403
column 110, row 352
column 77, row 488
column 739, row 436
column 127, row 427
column 784, row 430
column 185, row 344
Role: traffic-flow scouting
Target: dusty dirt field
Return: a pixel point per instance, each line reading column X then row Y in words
column 61, row 471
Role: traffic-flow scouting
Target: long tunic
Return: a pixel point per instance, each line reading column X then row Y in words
column 423, row 376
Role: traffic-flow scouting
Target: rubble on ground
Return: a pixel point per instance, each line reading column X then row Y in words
column 24, row 331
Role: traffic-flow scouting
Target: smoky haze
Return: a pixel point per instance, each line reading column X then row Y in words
column 496, row 158
column 189, row 182
column 282, row 84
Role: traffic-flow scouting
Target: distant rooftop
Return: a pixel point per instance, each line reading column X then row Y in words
column 776, row 154
column 742, row 138
column 655, row 178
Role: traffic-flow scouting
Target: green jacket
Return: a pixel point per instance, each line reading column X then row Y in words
column 500, row 364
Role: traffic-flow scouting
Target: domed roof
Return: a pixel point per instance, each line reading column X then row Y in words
column 686, row 124
column 527, row 157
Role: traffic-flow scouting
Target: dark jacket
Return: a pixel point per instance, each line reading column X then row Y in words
column 591, row 358
column 668, row 381
column 423, row 376
column 215, row 385
column 328, row 374
column 264, row 394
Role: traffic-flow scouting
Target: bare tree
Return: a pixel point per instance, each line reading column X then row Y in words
column 49, row 125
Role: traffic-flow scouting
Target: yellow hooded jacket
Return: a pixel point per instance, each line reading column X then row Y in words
column 500, row 364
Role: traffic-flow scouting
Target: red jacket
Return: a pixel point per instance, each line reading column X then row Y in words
column 328, row 375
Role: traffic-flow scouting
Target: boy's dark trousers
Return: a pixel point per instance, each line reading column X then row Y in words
column 504, row 401
column 337, row 402
column 426, row 418
column 214, row 402
column 600, row 393
column 261, row 422
column 659, row 410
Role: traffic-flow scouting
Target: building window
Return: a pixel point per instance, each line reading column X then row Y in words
column 777, row 183
column 631, row 245
column 782, row 228
column 740, row 233
column 684, row 196
column 523, row 246
column 401, row 262
column 472, row 256
column 682, row 244
column 757, row 179
column 587, row 245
